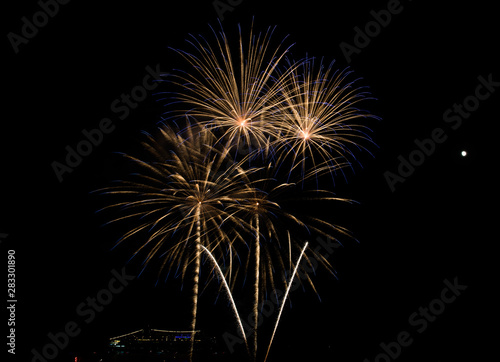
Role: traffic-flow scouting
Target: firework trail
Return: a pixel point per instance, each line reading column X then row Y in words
column 196, row 278
column 284, row 299
column 256, row 283
column 228, row 292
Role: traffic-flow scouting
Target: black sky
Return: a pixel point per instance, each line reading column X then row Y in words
column 436, row 225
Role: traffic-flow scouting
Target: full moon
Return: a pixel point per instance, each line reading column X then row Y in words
column 464, row 153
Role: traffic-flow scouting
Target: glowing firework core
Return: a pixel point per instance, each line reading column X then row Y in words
column 305, row 134
column 243, row 122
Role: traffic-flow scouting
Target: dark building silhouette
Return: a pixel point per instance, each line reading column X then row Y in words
column 159, row 345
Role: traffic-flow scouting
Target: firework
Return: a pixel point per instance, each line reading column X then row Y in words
column 233, row 91
column 181, row 196
column 319, row 122
column 193, row 194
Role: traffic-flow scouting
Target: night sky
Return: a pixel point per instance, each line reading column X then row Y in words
column 435, row 225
